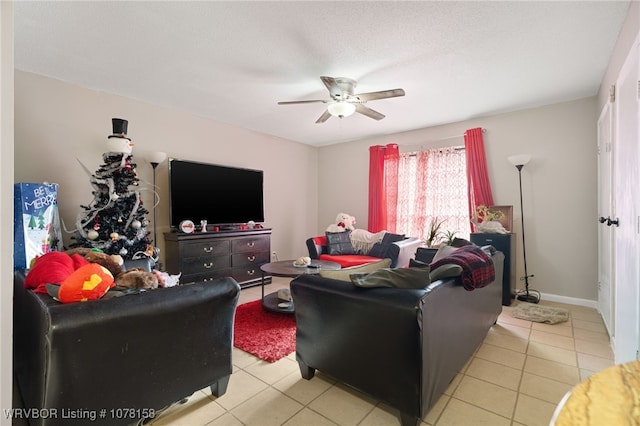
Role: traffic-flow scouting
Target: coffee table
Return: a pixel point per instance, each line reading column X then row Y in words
column 285, row 268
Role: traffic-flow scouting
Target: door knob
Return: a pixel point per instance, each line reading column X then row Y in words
column 615, row 222
column 602, row 219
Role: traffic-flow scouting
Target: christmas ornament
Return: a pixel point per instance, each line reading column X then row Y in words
column 114, row 196
column 123, row 251
column 136, row 224
column 92, row 235
column 114, row 236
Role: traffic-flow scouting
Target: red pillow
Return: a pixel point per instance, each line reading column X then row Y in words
column 89, row 282
column 53, row 267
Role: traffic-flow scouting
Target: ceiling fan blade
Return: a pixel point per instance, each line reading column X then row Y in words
column 301, row 102
column 383, row 94
column 332, row 86
column 364, row 110
column 324, row 117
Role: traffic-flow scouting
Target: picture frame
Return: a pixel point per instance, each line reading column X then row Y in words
column 507, row 222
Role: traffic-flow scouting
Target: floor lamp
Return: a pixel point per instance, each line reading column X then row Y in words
column 155, row 158
column 519, row 161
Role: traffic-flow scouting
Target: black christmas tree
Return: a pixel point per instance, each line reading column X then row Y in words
column 115, row 221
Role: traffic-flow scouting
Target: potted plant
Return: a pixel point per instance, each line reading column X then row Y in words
column 434, row 231
column 450, row 236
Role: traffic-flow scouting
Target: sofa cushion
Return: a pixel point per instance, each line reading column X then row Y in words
column 399, row 278
column 444, row 251
column 339, row 243
column 380, row 249
column 345, row 273
column 348, row 260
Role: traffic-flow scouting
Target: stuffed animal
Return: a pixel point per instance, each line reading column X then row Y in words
column 344, row 222
column 137, row 278
column 58, row 273
column 361, row 239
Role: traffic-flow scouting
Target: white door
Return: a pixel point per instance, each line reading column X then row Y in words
column 626, row 172
column 606, row 287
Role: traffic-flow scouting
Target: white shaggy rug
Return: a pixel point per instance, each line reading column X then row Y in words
column 540, row 313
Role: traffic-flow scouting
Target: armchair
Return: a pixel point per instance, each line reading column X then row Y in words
column 145, row 350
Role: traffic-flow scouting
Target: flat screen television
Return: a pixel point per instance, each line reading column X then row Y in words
column 221, row 195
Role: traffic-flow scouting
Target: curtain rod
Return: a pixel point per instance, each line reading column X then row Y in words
column 439, row 139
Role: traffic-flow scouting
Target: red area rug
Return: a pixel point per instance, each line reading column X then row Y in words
column 267, row 335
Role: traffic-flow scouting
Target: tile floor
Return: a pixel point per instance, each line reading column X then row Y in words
column 516, row 377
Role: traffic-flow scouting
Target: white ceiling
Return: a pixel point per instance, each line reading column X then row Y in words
column 233, row 61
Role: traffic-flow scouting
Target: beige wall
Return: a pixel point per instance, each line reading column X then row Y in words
column 559, row 186
column 58, row 124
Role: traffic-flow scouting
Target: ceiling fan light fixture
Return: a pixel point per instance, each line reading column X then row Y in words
column 341, row 109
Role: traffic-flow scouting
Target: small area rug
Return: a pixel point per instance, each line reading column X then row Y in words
column 267, row 335
column 540, row 313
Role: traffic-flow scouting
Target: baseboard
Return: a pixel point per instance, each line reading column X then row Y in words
column 569, row 300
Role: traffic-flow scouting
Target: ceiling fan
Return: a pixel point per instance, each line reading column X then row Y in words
column 344, row 102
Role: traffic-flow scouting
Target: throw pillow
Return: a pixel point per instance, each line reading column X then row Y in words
column 448, row 270
column 380, row 249
column 344, row 274
column 444, row 251
column 408, row 278
column 460, row 242
column 339, row 243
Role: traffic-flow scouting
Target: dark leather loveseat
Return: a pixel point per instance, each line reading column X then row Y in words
column 399, row 252
column 125, row 357
column 400, row 346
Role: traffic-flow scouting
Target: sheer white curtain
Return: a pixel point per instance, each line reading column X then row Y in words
column 432, row 184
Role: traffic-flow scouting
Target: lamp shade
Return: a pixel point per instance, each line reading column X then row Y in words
column 341, row 109
column 519, row 160
column 156, row 157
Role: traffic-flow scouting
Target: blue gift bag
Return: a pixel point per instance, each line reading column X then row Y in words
column 36, row 224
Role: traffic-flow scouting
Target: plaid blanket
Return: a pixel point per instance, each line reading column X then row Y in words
column 477, row 266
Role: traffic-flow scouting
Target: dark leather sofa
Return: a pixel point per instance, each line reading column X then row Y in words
column 127, row 357
column 400, row 346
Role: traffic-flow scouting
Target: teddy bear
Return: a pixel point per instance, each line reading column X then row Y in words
column 344, row 222
column 361, row 239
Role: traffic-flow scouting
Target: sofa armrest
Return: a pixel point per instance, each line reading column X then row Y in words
column 315, row 247
column 401, row 251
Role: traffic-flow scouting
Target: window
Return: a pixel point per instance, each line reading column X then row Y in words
column 432, row 186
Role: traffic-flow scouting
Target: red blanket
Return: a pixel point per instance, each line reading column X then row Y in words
column 477, row 266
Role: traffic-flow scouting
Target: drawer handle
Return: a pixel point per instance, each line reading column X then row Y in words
column 251, row 258
column 251, row 244
column 208, row 265
column 208, row 249
column 251, row 272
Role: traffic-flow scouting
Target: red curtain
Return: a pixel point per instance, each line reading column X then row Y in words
column 477, row 175
column 383, row 187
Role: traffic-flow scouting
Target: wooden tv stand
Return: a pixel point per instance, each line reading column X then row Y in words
column 203, row 256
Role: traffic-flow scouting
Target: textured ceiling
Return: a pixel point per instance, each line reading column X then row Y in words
column 233, row 61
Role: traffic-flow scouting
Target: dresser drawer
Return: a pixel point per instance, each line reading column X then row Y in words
column 248, row 273
column 208, row 276
column 192, row 265
column 205, row 248
column 250, row 244
column 248, row 259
